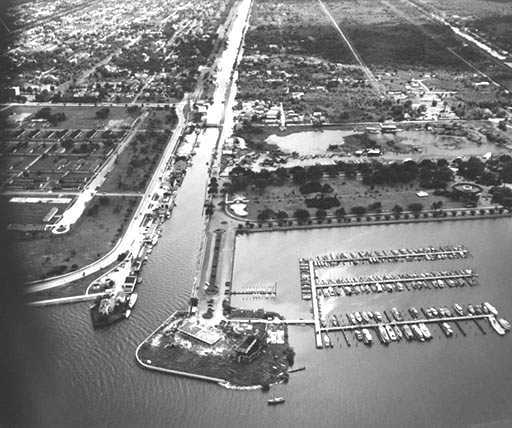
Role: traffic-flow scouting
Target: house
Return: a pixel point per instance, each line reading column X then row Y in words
column 248, row 350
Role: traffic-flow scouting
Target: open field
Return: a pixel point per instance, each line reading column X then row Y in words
column 136, row 163
column 78, row 117
column 29, row 215
column 294, row 55
column 91, row 237
column 473, row 8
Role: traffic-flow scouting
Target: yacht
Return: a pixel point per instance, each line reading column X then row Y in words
column 496, row 325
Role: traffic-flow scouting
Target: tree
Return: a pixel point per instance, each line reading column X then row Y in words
column 437, row 205
column 301, row 215
column 358, row 211
column 282, row 215
column 415, row 207
column 375, row 206
column 340, row 213
column 321, row 214
column 397, row 210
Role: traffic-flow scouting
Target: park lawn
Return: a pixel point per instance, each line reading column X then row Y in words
column 350, row 193
column 90, row 238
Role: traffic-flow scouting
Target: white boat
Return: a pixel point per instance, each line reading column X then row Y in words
column 496, row 325
column 327, row 341
column 127, row 313
column 426, row 332
column 491, row 308
column 505, row 324
column 391, row 333
column 132, row 300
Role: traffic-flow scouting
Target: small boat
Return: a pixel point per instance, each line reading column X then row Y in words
column 367, row 337
column 459, row 309
column 418, row 334
column 128, row 313
column 496, row 325
column 327, row 341
column 426, row 332
column 408, row 332
column 505, row 324
column 276, row 400
column 297, row 369
column 383, row 335
column 132, row 300
column 391, row 333
column 491, row 308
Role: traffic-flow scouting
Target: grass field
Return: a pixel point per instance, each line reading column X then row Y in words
column 90, row 238
column 84, row 117
column 137, row 162
column 350, row 193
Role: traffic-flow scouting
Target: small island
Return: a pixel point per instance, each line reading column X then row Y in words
column 249, row 349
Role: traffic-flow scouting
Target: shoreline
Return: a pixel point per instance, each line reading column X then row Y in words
column 364, row 222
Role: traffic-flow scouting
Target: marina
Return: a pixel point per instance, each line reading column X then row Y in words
column 394, row 327
column 392, row 256
column 399, row 282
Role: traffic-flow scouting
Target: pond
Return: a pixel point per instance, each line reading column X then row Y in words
column 309, row 142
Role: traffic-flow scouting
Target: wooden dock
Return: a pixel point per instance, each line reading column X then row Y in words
column 384, row 257
column 314, row 299
column 394, row 280
column 412, row 321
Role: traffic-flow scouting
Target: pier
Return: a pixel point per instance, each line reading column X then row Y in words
column 392, row 256
column 316, row 316
column 406, row 322
column 393, row 279
column 257, row 291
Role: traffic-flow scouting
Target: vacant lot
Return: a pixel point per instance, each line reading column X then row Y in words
column 91, row 237
column 137, row 162
column 83, row 117
column 28, row 213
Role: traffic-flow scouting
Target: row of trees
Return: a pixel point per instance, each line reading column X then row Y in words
column 303, row 215
column 430, row 174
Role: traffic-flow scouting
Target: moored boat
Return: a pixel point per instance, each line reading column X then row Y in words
column 132, row 300
column 496, row 325
column 276, row 400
